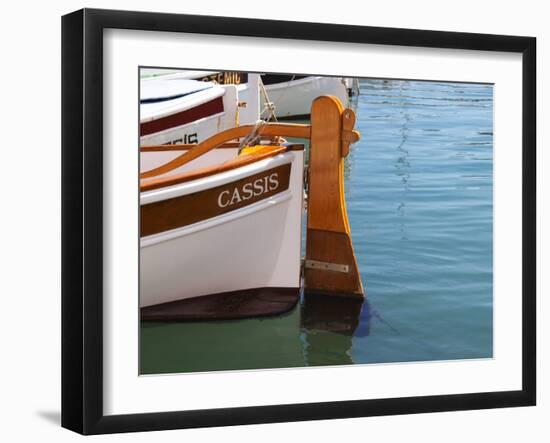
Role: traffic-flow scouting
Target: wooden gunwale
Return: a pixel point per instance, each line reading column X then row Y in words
column 268, row 130
column 269, row 151
column 184, row 147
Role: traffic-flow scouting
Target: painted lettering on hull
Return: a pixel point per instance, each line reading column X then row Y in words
column 186, row 139
column 226, row 78
column 248, row 190
column 192, row 208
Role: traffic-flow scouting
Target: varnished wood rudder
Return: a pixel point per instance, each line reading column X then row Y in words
column 330, row 266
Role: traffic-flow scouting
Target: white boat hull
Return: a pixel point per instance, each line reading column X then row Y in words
column 256, row 246
column 194, row 131
column 240, row 106
column 294, row 98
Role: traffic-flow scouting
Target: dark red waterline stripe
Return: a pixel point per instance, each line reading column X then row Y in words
column 181, row 118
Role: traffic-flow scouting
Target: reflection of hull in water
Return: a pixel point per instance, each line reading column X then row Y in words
column 222, row 345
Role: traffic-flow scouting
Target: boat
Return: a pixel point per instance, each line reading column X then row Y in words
column 290, row 96
column 283, row 96
column 220, row 226
column 177, row 110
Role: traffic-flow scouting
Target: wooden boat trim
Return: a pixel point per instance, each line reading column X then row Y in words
column 183, row 147
column 269, row 151
column 186, row 147
column 268, row 130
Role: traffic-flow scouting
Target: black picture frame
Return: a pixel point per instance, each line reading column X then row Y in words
column 82, row 218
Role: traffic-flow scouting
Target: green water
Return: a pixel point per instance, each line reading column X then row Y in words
column 419, row 198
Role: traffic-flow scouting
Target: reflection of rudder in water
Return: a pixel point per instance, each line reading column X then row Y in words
column 328, row 326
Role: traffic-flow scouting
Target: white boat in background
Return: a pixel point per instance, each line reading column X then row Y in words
column 176, row 110
column 221, row 221
column 287, row 96
column 291, row 96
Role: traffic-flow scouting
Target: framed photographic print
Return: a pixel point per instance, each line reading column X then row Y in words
column 270, row 221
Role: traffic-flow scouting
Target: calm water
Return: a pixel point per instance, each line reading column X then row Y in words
column 419, row 198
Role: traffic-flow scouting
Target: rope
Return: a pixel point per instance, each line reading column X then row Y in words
column 252, row 135
column 269, row 105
